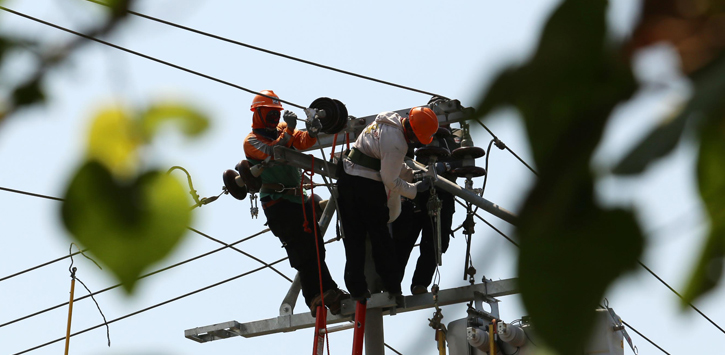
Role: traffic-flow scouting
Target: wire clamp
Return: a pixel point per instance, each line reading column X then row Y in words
column 253, row 210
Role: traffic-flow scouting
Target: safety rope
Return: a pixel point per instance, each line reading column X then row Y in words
column 310, row 174
column 334, row 143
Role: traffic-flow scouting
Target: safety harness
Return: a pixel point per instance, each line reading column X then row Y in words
column 358, row 157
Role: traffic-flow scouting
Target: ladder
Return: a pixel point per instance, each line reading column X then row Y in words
column 359, row 335
column 318, row 347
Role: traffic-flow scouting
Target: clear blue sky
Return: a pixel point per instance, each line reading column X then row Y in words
column 453, row 48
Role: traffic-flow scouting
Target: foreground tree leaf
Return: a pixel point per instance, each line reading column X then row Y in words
column 709, row 88
column 571, row 250
column 127, row 226
column 191, row 121
column 114, row 140
column 711, row 179
column 29, row 93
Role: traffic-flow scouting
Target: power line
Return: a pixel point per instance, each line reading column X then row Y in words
column 39, row 266
column 139, row 278
column 211, row 35
column 152, row 307
column 645, row 338
column 192, row 229
column 245, row 45
column 498, row 141
column 391, row 348
column 244, row 253
column 144, row 55
column 30, row 193
column 680, row 296
column 491, row 225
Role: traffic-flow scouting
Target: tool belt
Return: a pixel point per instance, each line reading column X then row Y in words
column 272, row 188
column 363, row 159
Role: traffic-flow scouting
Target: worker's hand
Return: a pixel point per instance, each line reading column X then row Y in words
column 313, row 127
column 290, row 118
column 423, row 185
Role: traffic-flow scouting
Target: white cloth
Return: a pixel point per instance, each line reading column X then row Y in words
column 384, row 139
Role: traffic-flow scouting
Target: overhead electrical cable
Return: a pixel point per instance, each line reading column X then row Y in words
column 645, row 338
column 191, row 229
column 154, row 306
column 139, row 278
column 680, row 296
column 145, row 56
column 640, row 263
column 491, row 225
column 211, row 35
column 31, row 194
column 240, row 251
column 499, row 143
column 282, row 55
column 39, row 266
column 232, row 84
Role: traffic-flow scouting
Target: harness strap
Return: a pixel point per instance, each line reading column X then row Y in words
column 360, row 158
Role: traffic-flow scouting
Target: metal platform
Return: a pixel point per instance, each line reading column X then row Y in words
column 389, row 306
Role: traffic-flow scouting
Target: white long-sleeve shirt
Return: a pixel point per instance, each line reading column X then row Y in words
column 384, row 139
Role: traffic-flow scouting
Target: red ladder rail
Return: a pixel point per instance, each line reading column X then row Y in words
column 357, row 339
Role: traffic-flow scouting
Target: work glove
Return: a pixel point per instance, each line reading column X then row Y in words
column 423, row 185
column 290, row 118
column 313, row 127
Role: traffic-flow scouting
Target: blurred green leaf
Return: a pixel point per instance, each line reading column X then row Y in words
column 709, row 90
column 711, row 179
column 114, row 140
column 5, row 46
column 660, row 142
column 126, row 226
column 191, row 121
column 565, row 267
column 571, row 250
column 28, row 94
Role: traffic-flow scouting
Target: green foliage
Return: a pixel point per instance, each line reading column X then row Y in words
column 29, row 93
column 126, row 225
column 711, row 180
column 571, row 249
column 114, row 141
column 709, row 83
column 190, row 121
column 126, row 217
column 707, row 111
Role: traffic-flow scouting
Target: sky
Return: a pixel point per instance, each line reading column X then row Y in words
column 454, row 48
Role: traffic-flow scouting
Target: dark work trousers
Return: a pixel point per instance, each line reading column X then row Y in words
column 285, row 219
column 364, row 212
column 413, row 219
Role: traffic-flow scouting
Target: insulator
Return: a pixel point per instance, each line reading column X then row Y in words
column 478, row 338
column 511, row 334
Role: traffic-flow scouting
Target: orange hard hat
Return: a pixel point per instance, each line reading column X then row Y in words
column 270, row 100
column 424, row 123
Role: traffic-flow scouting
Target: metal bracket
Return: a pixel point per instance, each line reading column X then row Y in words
column 480, row 298
column 381, row 301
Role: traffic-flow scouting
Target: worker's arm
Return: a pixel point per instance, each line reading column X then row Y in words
column 392, row 153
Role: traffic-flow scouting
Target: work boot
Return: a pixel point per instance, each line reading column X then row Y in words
column 333, row 299
column 316, row 302
column 418, row 289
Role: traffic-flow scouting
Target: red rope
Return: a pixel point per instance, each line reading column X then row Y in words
column 334, row 143
column 311, row 173
column 347, row 137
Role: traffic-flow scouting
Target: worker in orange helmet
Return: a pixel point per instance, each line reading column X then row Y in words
column 282, row 199
column 367, row 178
